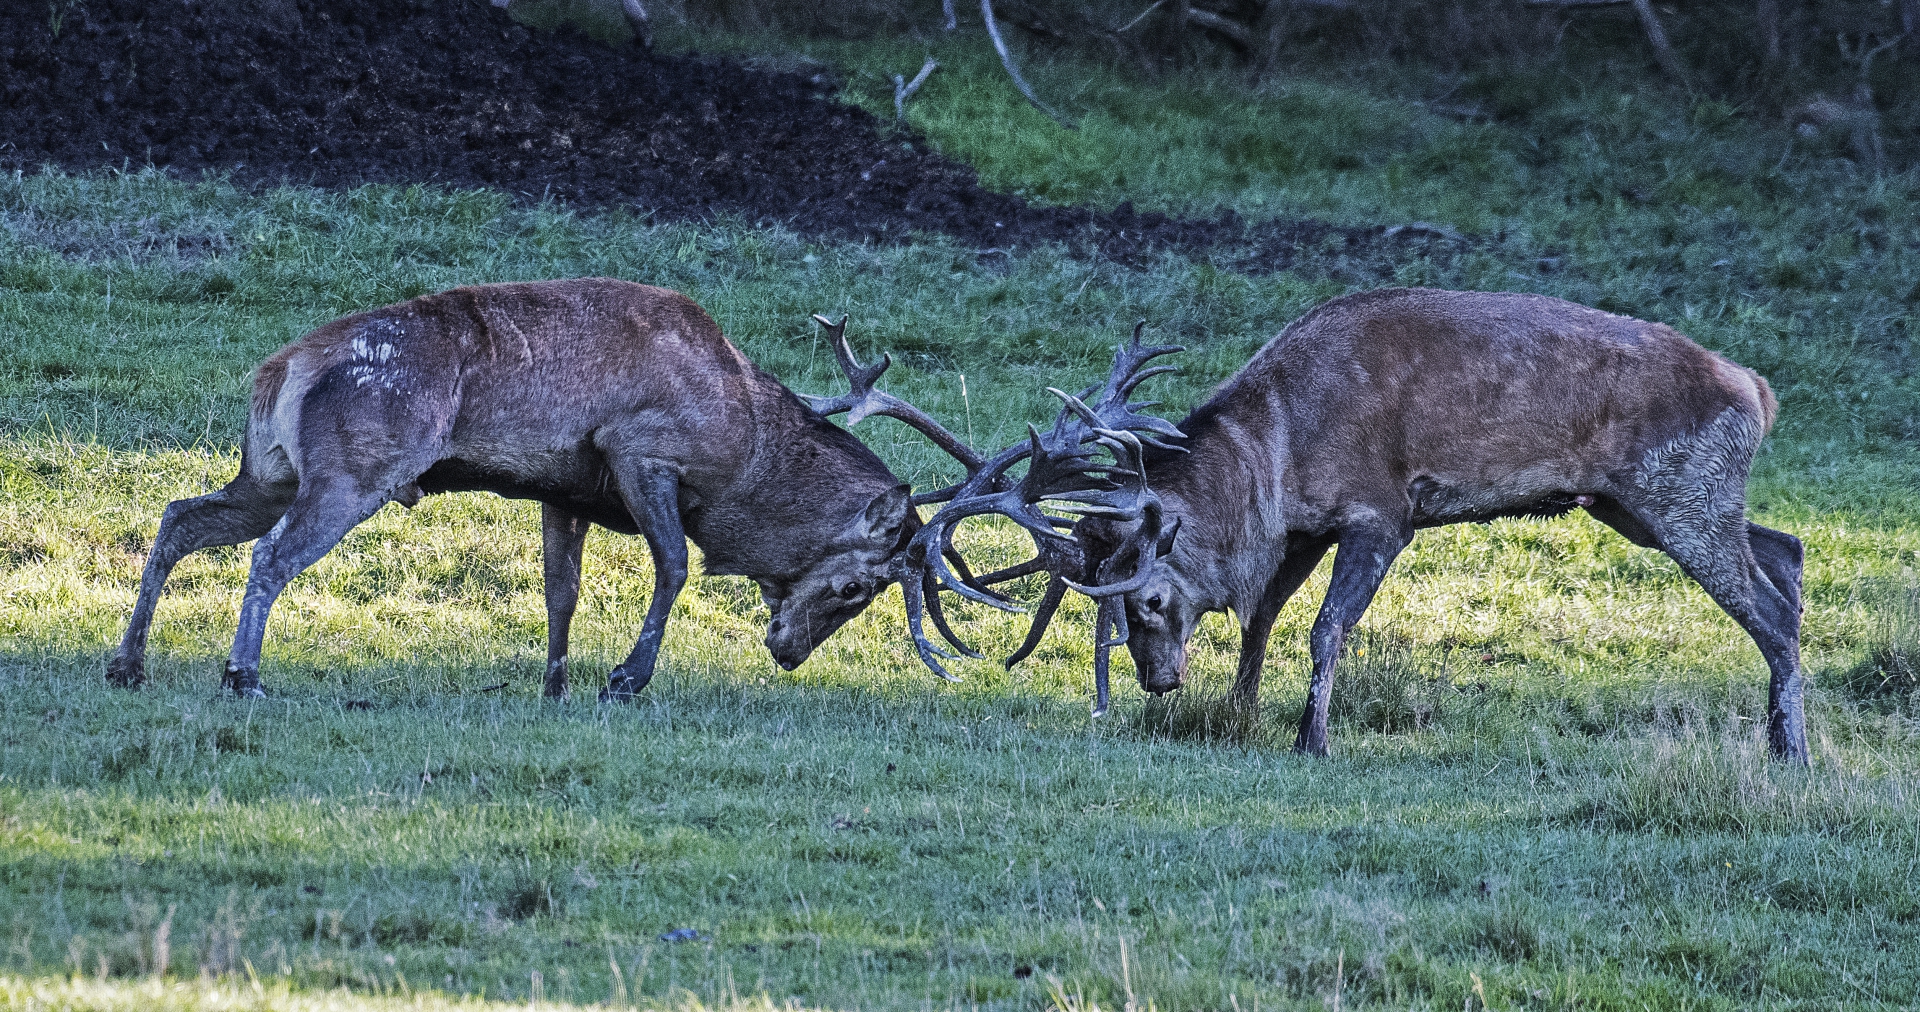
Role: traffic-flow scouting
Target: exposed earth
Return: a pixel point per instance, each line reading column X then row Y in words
column 335, row 93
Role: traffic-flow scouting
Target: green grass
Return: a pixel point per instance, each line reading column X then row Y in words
column 1548, row 788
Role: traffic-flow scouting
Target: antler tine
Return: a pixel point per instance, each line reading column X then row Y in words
column 930, row 587
column 1112, row 615
column 863, row 400
column 912, row 588
column 1042, row 617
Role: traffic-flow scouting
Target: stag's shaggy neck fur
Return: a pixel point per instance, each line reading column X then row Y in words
column 1226, row 491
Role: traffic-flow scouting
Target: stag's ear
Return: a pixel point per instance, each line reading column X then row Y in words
column 886, row 514
column 1165, row 545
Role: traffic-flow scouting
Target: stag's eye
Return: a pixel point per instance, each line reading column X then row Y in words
column 1154, row 603
column 852, row 590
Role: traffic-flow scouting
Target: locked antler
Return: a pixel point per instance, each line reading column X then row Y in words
column 1064, row 474
column 863, row 400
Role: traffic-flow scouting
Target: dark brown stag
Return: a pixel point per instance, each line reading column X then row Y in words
column 1381, row 413
column 608, row 402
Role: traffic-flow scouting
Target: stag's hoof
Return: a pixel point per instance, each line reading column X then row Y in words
column 556, row 683
column 622, row 687
column 126, row 673
column 242, row 683
column 619, row 690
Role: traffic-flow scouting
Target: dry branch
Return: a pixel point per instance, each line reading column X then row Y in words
column 1241, row 35
column 1013, row 70
column 903, row 89
column 1142, row 16
column 637, row 20
column 1657, row 37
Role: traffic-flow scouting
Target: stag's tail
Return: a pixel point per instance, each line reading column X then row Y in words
column 1769, row 406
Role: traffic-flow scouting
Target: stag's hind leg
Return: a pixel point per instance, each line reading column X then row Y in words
column 1689, row 498
column 242, row 511
column 1721, row 558
column 563, row 536
column 322, row 513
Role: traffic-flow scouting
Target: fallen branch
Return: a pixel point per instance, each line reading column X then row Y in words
column 1013, row 71
column 903, row 89
column 1424, row 228
column 1142, row 15
column 1239, row 33
column 637, row 20
column 1657, row 37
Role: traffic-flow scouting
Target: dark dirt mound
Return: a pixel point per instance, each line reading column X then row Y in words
column 341, row 92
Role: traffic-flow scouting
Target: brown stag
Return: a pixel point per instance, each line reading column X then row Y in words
column 608, row 402
column 1381, row 413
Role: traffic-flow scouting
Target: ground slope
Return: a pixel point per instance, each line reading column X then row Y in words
column 342, row 92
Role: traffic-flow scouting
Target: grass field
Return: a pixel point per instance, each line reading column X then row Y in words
column 1549, row 787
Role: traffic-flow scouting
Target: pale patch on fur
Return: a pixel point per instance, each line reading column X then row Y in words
column 373, row 355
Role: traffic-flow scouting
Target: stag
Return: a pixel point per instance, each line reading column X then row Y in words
column 608, row 402
column 1381, row 413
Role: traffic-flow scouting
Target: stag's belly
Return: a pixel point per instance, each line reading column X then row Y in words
column 1439, row 500
column 575, row 481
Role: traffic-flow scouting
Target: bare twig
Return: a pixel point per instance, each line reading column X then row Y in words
column 953, row 19
column 1657, row 37
column 637, row 20
column 1272, row 25
column 1013, row 71
column 1424, row 228
column 903, row 89
column 1142, row 16
column 1239, row 33
column 1767, row 12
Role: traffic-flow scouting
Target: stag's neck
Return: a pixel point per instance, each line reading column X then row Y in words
column 1227, row 490
column 803, row 484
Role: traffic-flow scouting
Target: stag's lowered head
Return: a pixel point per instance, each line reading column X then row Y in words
column 1161, row 610
column 847, row 573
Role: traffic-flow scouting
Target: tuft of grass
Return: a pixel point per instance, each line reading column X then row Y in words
column 1887, row 678
column 1721, row 783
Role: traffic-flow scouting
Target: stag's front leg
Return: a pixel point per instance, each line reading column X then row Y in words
column 1358, row 567
column 652, row 494
column 1257, row 629
column 563, row 535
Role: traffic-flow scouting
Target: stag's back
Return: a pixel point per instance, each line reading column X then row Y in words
column 1500, row 391
column 512, row 373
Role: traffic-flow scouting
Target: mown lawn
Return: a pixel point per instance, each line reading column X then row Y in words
column 1549, row 787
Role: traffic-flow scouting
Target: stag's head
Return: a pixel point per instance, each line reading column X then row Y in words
column 842, row 575
column 1158, row 609
column 847, row 573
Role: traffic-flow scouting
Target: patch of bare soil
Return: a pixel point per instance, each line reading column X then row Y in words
column 335, row 93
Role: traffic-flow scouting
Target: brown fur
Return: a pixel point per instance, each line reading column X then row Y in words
column 1387, row 411
column 610, row 402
